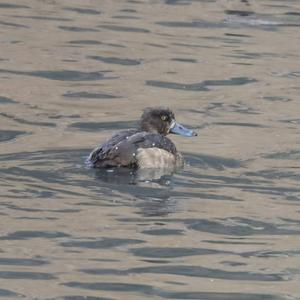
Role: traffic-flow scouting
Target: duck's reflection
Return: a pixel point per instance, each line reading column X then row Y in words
column 152, row 188
column 138, row 176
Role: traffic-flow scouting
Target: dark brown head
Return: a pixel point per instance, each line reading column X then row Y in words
column 162, row 120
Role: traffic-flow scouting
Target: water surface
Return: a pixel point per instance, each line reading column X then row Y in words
column 226, row 226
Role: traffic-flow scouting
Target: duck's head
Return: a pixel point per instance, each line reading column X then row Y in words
column 162, row 120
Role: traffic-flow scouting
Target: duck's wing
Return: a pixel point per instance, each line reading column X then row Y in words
column 122, row 149
column 101, row 153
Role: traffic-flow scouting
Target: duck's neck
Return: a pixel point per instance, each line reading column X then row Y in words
column 147, row 127
column 152, row 128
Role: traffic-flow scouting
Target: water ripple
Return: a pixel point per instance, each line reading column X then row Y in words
column 201, row 86
column 13, row 6
column 172, row 252
column 7, row 135
column 26, row 235
column 77, row 29
column 65, row 75
column 151, row 291
column 5, row 100
column 76, row 297
column 97, row 126
column 22, row 262
column 116, row 60
column 239, row 227
column 124, row 28
column 10, row 24
column 191, row 271
column 89, row 95
column 8, row 293
column 103, row 243
column 87, row 11
column 26, row 275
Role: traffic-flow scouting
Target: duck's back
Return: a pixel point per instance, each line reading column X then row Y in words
column 134, row 148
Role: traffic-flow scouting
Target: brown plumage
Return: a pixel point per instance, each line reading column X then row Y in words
column 144, row 147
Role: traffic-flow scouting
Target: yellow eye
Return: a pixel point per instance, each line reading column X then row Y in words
column 163, row 117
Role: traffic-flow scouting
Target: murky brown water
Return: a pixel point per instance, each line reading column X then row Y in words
column 225, row 227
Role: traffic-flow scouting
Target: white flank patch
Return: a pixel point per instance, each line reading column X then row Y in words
column 155, row 158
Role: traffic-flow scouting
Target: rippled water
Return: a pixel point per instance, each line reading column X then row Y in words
column 225, row 227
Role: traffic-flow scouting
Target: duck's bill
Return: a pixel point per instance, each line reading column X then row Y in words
column 177, row 128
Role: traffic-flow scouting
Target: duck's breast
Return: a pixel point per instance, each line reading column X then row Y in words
column 155, row 158
column 157, row 151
